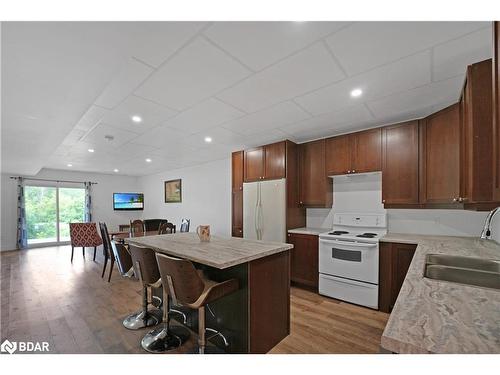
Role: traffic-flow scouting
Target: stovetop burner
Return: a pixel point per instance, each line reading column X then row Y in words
column 338, row 232
column 367, row 235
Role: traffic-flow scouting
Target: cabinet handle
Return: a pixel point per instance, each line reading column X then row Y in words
column 455, row 199
column 353, row 171
column 349, row 171
column 383, row 200
column 300, row 202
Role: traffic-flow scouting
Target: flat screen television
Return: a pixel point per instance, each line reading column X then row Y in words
column 128, row 201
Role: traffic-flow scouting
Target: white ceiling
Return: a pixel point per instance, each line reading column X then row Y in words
column 65, row 86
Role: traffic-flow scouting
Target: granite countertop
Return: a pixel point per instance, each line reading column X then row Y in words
column 309, row 230
column 432, row 316
column 219, row 252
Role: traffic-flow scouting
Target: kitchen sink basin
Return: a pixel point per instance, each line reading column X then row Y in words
column 464, row 262
column 464, row 270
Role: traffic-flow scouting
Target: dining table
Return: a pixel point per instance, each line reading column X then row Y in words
column 120, row 236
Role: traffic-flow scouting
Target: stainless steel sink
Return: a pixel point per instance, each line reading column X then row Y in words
column 464, row 270
column 480, row 264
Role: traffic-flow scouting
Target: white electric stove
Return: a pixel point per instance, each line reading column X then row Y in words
column 348, row 258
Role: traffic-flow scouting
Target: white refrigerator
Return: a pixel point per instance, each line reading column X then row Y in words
column 264, row 210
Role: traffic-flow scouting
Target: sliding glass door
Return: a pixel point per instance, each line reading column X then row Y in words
column 49, row 210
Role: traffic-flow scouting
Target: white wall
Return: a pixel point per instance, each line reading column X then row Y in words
column 206, row 196
column 102, row 200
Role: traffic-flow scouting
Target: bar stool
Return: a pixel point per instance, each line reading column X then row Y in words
column 163, row 338
column 146, row 270
column 189, row 288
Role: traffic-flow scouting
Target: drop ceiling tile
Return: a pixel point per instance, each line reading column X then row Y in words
column 365, row 45
column 205, row 115
column 354, row 117
column 271, row 118
column 123, row 83
column 305, row 71
column 413, row 100
column 451, row 58
column 196, row 72
column 175, row 151
column 130, row 150
column 259, row 44
column 155, row 42
column 404, row 74
column 269, row 136
column 160, row 137
column 152, row 114
column 73, row 137
column 93, row 115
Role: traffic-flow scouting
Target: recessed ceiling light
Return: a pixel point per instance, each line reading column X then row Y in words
column 116, row 170
column 148, row 160
column 136, row 118
column 208, row 139
column 91, row 150
column 356, row 92
column 70, row 165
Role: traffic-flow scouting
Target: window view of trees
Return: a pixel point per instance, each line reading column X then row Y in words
column 41, row 215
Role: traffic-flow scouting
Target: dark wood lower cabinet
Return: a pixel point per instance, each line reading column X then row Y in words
column 394, row 261
column 304, row 259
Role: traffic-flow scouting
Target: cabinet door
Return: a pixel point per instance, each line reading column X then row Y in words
column 338, row 155
column 254, row 164
column 237, row 213
column 400, row 163
column 496, row 111
column 274, row 160
column 394, row 262
column 304, row 259
column 315, row 186
column 440, row 174
column 367, row 151
column 237, row 170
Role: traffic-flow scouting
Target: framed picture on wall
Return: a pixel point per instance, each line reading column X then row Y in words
column 173, row 191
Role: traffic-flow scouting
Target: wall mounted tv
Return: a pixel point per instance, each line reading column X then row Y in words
column 128, row 201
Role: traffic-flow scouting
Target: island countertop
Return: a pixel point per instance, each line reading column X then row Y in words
column 433, row 316
column 219, row 252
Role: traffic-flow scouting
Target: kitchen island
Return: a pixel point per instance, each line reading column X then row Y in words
column 256, row 317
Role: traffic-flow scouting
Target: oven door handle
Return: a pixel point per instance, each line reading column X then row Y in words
column 349, row 244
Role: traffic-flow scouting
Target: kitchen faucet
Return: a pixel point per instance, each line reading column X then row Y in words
column 486, row 233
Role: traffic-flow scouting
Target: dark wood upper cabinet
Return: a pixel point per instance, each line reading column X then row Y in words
column 338, row 155
column 237, row 194
column 237, row 170
column 254, row 164
column 400, row 164
column 440, row 157
column 354, row 153
column 477, row 134
column 274, row 161
column 265, row 163
column 496, row 111
column 315, row 187
column 394, row 262
column 304, row 259
column 366, row 151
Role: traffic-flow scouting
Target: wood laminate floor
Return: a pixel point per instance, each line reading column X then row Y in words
column 46, row 298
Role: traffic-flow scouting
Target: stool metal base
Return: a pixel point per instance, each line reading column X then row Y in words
column 142, row 319
column 159, row 340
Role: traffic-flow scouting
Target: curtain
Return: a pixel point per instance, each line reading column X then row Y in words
column 88, row 202
column 22, row 233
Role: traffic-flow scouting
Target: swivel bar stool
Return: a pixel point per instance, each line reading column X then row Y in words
column 164, row 337
column 146, row 270
column 188, row 287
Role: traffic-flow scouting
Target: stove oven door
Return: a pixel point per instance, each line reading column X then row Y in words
column 351, row 260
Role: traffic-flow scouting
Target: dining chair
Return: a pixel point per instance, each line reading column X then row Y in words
column 166, row 228
column 137, row 227
column 151, row 225
column 107, row 250
column 185, row 225
column 84, row 235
